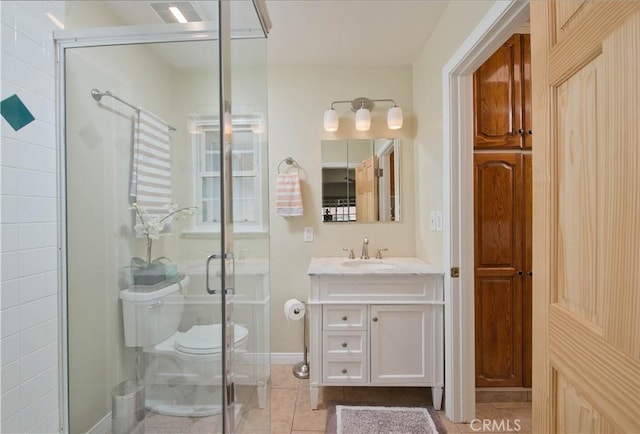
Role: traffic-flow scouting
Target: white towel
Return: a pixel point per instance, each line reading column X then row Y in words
column 288, row 195
column 151, row 168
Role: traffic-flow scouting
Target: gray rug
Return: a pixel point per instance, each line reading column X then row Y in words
column 356, row 419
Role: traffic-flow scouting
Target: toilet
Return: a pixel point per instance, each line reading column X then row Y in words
column 183, row 368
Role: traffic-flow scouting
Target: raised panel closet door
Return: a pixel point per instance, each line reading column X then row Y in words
column 497, row 95
column 527, row 134
column 498, row 269
column 527, row 279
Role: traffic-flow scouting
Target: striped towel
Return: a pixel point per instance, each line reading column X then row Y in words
column 151, row 168
column 288, row 196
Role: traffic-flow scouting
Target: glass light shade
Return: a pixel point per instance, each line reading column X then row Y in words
column 363, row 119
column 394, row 118
column 331, row 120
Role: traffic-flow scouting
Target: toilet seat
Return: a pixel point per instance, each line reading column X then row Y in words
column 206, row 339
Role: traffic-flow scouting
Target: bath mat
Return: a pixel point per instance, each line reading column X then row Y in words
column 356, row 419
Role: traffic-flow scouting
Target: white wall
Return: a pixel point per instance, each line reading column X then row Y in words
column 455, row 25
column 29, row 304
column 298, row 97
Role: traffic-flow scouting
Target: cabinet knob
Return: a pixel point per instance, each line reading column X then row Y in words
column 520, row 131
column 520, row 273
column 344, row 318
column 529, row 273
column 344, row 345
column 375, row 319
column 530, row 132
column 344, row 371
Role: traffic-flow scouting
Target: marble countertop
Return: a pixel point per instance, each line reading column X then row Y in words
column 341, row 266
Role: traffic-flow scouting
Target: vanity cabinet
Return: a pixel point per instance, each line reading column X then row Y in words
column 381, row 327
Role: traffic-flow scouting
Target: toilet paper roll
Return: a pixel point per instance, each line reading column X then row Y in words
column 294, row 309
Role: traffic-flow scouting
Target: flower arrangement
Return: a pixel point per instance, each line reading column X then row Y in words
column 150, row 226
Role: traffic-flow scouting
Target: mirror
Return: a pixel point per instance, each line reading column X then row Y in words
column 361, row 180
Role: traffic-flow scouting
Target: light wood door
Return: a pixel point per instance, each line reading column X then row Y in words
column 498, row 196
column 367, row 190
column 586, row 216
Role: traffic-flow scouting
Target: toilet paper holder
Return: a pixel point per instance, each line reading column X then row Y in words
column 301, row 369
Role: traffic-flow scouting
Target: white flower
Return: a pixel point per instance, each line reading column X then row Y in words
column 140, row 230
column 151, row 226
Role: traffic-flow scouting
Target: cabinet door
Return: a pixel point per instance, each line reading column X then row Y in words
column 527, row 279
column 527, row 135
column 402, row 348
column 498, row 269
column 497, row 95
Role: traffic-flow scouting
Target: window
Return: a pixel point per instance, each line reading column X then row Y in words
column 249, row 207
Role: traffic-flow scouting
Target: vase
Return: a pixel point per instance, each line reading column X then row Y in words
column 149, row 276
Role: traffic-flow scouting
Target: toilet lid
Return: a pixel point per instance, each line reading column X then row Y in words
column 206, row 339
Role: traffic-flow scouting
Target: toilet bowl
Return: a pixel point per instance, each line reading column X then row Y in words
column 183, row 375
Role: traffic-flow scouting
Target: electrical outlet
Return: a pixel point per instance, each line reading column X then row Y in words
column 308, row 235
column 439, row 221
column 432, row 220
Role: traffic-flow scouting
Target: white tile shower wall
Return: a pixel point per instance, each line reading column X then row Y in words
column 29, row 303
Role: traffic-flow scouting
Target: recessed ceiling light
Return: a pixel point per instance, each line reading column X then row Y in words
column 176, row 12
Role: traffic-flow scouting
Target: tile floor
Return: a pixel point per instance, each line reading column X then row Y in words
column 289, row 411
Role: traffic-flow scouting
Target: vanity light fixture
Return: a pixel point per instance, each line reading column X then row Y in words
column 362, row 108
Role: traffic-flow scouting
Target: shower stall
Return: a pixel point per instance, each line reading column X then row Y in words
column 164, row 210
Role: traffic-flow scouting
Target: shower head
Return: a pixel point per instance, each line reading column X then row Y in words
column 96, row 94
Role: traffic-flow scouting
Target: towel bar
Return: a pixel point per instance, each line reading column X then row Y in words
column 290, row 162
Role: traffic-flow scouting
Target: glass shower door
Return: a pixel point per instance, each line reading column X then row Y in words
column 139, row 313
column 166, row 252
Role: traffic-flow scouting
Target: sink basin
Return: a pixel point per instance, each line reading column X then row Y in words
column 369, row 264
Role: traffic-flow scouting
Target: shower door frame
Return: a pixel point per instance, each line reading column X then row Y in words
column 132, row 35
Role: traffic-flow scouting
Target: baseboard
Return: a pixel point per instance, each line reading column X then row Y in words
column 285, row 358
column 102, row 427
column 503, row 394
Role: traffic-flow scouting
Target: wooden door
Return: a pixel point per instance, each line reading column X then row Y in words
column 586, row 216
column 497, row 96
column 527, row 139
column 367, row 190
column 527, row 278
column 498, row 195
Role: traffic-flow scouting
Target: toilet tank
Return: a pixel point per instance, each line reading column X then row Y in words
column 150, row 317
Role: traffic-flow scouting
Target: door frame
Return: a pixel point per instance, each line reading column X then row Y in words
column 502, row 20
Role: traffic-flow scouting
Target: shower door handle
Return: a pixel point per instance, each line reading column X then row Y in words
column 209, row 259
column 228, row 291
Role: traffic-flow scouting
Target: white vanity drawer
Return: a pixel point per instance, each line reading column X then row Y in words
column 344, row 345
column 344, row 371
column 344, row 317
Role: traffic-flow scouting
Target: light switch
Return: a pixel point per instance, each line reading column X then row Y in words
column 308, row 235
column 432, row 220
column 439, row 221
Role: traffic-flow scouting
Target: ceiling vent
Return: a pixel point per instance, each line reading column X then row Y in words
column 187, row 9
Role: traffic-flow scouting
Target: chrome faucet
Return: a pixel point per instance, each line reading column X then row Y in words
column 365, row 249
column 351, row 255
